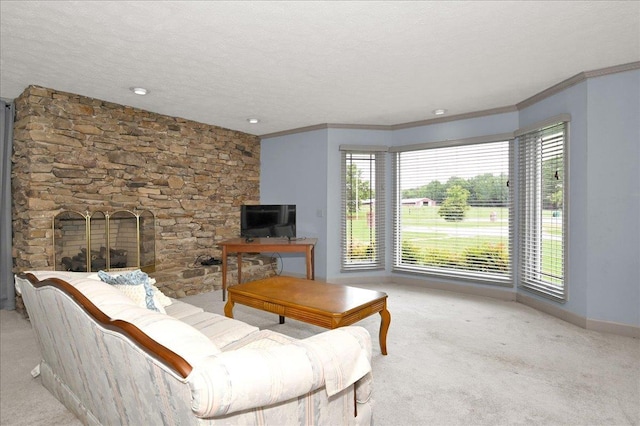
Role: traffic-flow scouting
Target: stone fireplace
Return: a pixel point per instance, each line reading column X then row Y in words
column 78, row 154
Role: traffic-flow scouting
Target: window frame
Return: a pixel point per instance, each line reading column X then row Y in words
column 505, row 280
column 524, row 270
column 379, row 207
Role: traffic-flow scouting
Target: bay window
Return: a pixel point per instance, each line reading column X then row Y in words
column 452, row 209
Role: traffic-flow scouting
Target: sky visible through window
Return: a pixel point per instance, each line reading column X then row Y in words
column 460, row 161
column 434, row 166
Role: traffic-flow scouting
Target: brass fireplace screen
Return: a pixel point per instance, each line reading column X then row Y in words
column 89, row 242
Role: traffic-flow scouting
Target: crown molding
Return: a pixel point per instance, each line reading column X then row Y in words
column 326, row 126
column 563, row 85
column 613, row 70
column 578, row 78
column 457, row 117
column 294, row 131
column 359, row 126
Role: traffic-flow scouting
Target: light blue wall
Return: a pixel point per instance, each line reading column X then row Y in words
column 304, row 169
column 603, row 276
column 613, row 198
column 604, row 194
column 294, row 171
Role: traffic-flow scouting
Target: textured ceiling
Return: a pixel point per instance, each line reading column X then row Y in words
column 296, row 64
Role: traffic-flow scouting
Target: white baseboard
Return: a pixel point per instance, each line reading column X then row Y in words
column 495, row 292
column 361, row 280
column 552, row 310
column 501, row 293
column 583, row 322
column 614, row 328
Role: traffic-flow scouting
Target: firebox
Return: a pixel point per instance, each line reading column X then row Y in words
column 93, row 241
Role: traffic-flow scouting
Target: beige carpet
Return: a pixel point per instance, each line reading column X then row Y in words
column 453, row 360
column 23, row 400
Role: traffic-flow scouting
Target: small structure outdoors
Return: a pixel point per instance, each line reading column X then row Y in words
column 418, row 202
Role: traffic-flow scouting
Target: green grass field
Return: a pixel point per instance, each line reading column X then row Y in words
column 424, row 231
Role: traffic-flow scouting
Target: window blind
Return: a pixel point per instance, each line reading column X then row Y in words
column 542, row 208
column 363, row 210
column 452, row 210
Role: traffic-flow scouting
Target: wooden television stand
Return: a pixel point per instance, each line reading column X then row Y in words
column 263, row 245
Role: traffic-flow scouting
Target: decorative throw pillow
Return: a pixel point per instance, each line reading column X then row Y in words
column 159, row 295
column 136, row 285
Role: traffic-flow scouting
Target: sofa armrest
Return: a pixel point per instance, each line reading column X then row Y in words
column 249, row 378
column 345, row 356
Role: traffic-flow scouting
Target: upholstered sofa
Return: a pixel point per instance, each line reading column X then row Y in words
column 111, row 361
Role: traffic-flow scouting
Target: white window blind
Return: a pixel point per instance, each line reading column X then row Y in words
column 542, row 208
column 452, row 210
column 363, row 210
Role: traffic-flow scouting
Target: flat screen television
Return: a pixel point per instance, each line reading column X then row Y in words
column 268, row 220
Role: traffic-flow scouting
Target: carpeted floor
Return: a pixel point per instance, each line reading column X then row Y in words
column 453, row 359
column 23, row 400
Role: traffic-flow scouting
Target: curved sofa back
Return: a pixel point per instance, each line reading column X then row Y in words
column 106, row 371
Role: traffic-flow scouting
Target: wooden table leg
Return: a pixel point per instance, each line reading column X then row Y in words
column 224, row 272
column 228, row 308
column 313, row 262
column 309, row 257
column 385, row 320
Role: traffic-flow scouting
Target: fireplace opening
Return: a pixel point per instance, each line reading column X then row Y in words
column 96, row 241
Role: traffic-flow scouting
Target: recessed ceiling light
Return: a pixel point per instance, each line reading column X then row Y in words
column 439, row 111
column 139, row 90
column 253, row 120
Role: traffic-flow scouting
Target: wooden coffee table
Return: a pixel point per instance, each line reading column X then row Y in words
column 322, row 304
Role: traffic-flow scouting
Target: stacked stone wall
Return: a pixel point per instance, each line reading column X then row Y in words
column 77, row 153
